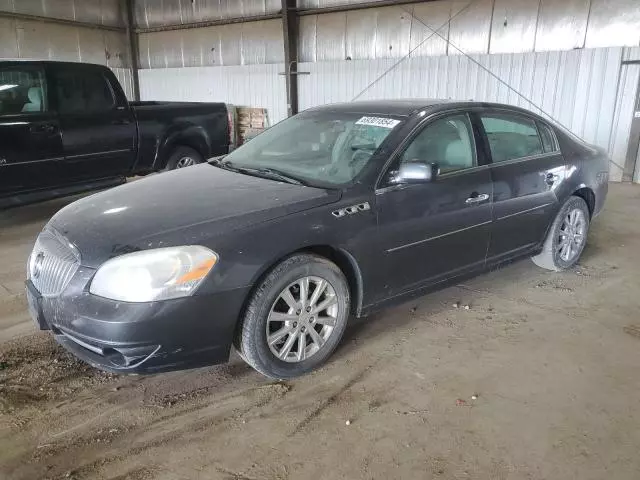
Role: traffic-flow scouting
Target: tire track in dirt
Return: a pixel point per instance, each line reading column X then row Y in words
column 193, row 421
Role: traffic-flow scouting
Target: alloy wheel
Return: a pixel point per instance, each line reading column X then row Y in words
column 302, row 319
column 572, row 235
column 185, row 162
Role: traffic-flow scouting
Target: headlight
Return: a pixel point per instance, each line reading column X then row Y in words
column 158, row 274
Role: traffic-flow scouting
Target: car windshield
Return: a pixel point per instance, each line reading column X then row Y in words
column 315, row 148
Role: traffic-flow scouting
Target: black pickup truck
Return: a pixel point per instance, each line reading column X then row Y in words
column 68, row 127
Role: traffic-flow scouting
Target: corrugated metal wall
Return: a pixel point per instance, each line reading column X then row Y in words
column 238, row 44
column 474, row 26
column 53, row 41
column 253, row 85
column 582, row 89
column 588, row 90
column 99, row 12
column 478, row 26
column 154, row 13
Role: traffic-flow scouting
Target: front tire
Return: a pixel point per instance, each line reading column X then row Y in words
column 567, row 237
column 296, row 317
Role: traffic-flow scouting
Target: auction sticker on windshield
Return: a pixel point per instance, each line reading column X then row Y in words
column 378, row 122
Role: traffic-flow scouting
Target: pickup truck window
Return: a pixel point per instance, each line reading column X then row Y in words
column 316, row 147
column 22, row 90
column 83, row 91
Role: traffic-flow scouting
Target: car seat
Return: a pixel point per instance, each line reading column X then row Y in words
column 35, row 100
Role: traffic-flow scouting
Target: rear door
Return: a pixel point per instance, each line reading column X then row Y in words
column 527, row 167
column 98, row 127
column 429, row 232
column 30, row 140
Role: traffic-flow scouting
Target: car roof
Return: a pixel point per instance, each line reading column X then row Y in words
column 410, row 106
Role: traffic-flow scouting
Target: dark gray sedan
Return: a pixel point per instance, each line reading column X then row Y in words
column 336, row 212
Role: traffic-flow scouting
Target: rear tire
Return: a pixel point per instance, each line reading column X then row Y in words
column 183, row 157
column 567, row 237
column 296, row 317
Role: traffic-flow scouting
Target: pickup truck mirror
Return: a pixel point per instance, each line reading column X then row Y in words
column 415, row 171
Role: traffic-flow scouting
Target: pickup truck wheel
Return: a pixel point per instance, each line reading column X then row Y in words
column 183, row 157
column 296, row 317
column 567, row 237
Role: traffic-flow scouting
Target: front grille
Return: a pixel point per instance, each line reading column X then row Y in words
column 52, row 263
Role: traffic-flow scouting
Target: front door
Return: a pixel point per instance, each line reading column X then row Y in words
column 30, row 139
column 527, row 167
column 430, row 232
column 98, row 132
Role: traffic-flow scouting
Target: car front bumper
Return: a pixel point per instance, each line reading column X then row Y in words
column 149, row 337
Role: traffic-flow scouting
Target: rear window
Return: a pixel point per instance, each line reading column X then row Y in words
column 549, row 142
column 82, row 91
column 511, row 137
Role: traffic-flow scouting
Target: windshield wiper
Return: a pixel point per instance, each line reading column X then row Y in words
column 258, row 172
column 277, row 174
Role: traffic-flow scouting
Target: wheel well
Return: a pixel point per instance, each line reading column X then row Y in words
column 588, row 196
column 182, row 143
column 349, row 267
column 345, row 262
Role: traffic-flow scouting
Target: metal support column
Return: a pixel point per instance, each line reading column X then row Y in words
column 134, row 51
column 290, row 35
column 633, row 149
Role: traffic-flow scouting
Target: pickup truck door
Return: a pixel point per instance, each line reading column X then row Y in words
column 30, row 140
column 98, row 128
column 429, row 232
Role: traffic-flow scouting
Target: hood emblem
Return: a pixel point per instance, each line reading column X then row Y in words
column 36, row 268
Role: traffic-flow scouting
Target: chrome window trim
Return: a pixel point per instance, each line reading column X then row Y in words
column 444, row 176
column 524, row 159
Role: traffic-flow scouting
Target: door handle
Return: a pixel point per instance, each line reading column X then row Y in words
column 474, row 199
column 48, row 128
column 121, row 121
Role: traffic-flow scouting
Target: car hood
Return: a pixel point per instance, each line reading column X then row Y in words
column 186, row 206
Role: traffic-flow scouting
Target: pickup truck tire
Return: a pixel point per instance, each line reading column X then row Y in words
column 183, row 157
column 567, row 237
column 305, row 298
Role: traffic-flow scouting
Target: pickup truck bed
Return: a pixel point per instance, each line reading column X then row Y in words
column 68, row 127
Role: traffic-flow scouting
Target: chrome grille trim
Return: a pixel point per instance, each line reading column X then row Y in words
column 52, row 264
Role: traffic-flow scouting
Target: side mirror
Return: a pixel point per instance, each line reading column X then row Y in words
column 415, row 172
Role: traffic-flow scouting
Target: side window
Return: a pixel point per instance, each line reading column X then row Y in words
column 22, row 90
column 447, row 142
column 511, row 136
column 549, row 142
column 82, row 91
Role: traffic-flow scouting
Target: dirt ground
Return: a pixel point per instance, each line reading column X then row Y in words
column 538, row 379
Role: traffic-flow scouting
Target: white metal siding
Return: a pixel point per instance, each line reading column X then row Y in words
column 99, row 12
column 579, row 88
column 479, row 27
column 585, row 90
column 52, row 41
column 252, row 85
